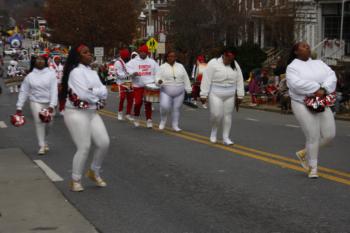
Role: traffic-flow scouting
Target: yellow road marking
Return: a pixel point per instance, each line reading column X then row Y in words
column 251, row 153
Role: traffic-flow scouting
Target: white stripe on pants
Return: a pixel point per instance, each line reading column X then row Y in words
column 42, row 129
column 221, row 104
column 318, row 128
column 84, row 126
column 171, row 98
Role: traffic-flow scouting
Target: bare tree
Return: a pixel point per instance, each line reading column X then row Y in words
column 108, row 23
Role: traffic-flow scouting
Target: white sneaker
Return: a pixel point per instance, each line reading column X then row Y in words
column 120, row 116
column 213, row 134
column 129, row 117
column 176, row 129
column 46, row 148
column 75, row 186
column 149, row 124
column 227, row 142
column 313, row 173
column 302, row 158
column 204, row 106
column 62, row 113
column 136, row 122
column 42, row 150
column 194, row 102
column 162, row 125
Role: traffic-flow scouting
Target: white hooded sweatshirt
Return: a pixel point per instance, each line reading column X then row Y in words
column 40, row 86
column 145, row 68
column 304, row 78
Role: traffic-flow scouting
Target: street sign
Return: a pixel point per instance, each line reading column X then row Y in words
column 162, row 37
column 161, row 48
column 152, row 44
column 98, row 51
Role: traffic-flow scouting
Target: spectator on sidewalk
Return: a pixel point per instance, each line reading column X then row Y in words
column 254, row 86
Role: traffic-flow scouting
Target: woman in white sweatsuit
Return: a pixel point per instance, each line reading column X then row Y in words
column 81, row 117
column 306, row 77
column 174, row 81
column 222, row 80
column 40, row 85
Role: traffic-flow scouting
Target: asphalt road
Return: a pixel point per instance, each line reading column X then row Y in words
column 166, row 182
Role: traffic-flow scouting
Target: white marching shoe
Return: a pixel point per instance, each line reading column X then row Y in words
column 213, row 134
column 129, row 117
column 137, row 122
column 162, row 125
column 149, row 123
column 313, row 173
column 227, row 142
column 120, row 116
column 176, row 129
column 42, row 150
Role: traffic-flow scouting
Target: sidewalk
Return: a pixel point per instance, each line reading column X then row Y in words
column 30, row 202
column 275, row 108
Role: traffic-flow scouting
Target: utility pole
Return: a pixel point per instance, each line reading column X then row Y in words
column 150, row 17
column 342, row 20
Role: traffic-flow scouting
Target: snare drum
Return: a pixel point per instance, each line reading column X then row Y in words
column 127, row 85
column 152, row 93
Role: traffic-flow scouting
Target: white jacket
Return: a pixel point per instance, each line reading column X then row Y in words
column 175, row 75
column 40, row 86
column 121, row 71
column 58, row 69
column 305, row 77
column 86, row 84
column 146, row 69
column 219, row 74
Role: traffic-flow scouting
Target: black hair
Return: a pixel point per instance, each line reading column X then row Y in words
column 292, row 54
column 33, row 61
column 166, row 55
column 72, row 62
column 233, row 51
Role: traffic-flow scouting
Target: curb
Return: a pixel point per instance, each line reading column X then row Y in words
column 262, row 108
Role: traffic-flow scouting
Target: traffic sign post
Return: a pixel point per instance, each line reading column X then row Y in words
column 99, row 53
column 152, row 44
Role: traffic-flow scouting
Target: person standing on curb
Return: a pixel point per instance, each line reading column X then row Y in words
column 85, row 94
column 310, row 78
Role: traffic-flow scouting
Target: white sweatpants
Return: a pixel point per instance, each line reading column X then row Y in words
column 84, row 126
column 221, row 104
column 318, row 128
column 42, row 129
column 171, row 99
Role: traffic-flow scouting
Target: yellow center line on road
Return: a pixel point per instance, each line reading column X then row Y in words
column 251, row 153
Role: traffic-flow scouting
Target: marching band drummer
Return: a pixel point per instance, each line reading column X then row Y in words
column 143, row 70
column 85, row 94
column 197, row 75
column 125, row 90
column 222, row 80
column 40, row 86
column 174, row 81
